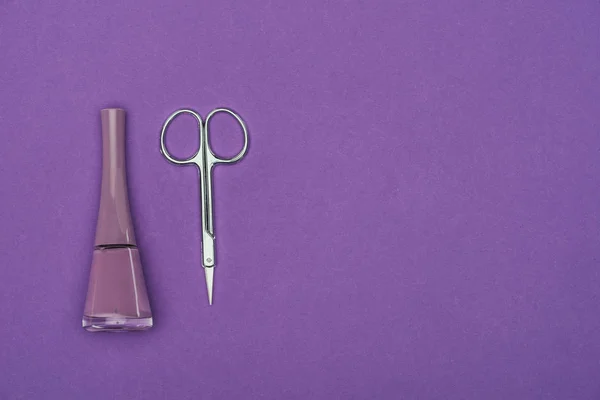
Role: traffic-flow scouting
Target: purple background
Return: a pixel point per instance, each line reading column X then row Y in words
column 417, row 217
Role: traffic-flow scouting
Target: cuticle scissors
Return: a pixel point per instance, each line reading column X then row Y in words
column 205, row 159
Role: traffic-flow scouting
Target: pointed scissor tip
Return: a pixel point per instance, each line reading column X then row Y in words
column 209, row 274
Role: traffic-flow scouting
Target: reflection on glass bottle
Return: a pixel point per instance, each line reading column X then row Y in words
column 117, row 299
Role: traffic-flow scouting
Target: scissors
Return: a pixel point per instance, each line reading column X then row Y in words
column 205, row 159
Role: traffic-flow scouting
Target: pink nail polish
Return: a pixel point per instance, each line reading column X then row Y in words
column 117, row 299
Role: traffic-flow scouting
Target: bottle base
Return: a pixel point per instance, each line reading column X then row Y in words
column 115, row 323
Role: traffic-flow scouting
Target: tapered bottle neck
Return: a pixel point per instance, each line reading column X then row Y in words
column 114, row 225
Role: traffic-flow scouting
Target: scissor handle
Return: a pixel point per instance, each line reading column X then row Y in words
column 163, row 145
column 216, row 159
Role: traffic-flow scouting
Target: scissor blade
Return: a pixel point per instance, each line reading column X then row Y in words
column 209, row 274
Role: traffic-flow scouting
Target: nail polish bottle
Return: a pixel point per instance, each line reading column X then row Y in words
column 117, row 299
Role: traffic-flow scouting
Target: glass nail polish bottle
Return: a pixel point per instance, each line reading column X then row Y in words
column 117, row 299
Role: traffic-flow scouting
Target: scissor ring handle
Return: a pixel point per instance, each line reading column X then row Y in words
column 238, row 156
column 163, row 145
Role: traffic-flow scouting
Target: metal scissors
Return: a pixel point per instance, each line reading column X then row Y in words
column 205, row 159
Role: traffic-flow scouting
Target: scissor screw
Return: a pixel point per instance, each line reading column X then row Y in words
column 209, row 260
